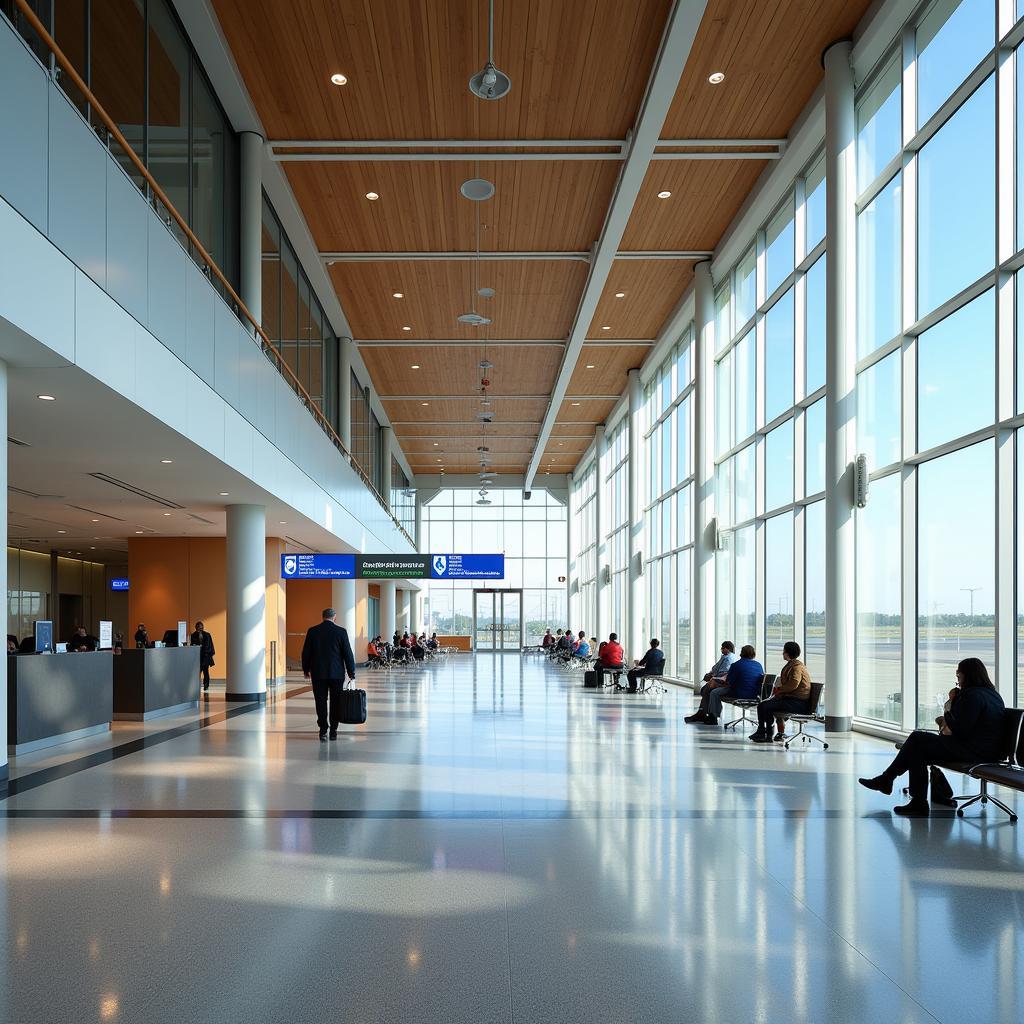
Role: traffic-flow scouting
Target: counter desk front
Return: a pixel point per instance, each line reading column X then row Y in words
column 154, row 681
column 54, row 698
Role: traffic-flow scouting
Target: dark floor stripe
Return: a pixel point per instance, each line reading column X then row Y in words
column 427, row 815
column 33, row 780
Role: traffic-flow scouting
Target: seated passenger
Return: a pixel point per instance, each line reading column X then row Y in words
column 582, row 647
column 611, row 655
column 651, row 664
column 975, row 721
column 432, row 642
column 791, row 694
column 720, row 669
column 371, row 650
column 548, row 639
column 742, row 683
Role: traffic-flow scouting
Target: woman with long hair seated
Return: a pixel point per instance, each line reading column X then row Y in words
column 975, row 723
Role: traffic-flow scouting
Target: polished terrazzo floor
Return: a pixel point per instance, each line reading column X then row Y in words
column 495, row 844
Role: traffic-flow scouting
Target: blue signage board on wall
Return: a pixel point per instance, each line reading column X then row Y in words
column 467, row 567
column 318, row 567
column 119, row 583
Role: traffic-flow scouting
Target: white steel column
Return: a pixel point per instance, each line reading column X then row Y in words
column 702, row 608
column 635, row 643
column 415, row 616
column 246, row 603
column 388, row 622
column 343, row 598
column 403, row 605
column 573, row 610
column 251, row 223
column 4, row 769
column 840, row 394
column 345, row 391
column 601, row 613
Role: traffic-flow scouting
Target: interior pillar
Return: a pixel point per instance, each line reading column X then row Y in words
column 702, row 611
column 600, row 591
column 4, row 768
column 246, row 603
column 388, row 622
column 251, row 223
column 343, row 600
column 840, row 377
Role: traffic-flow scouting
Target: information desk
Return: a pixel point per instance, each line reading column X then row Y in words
column 155, row 681
column 54, row 698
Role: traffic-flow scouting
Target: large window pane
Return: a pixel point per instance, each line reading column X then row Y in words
column 956, row 571
column 952, row 38
column 211, row 137
column 745, row 483
column 956, row 373
column 778, row 588
column 878, row 125
column 723, row 321
column 878, row 269
column 778, row 462
column 956, row 201
column 780, row 238
column 814, row 205
column 878, row 412
column 682, row 668
column 745, row 393
column 778, row 356
column 814, row 591
column 723, row 404
column 879, row 692
column 814, row 448
column 746, row 288
column 746, row 583
column 1019, row 58
column 814, row 305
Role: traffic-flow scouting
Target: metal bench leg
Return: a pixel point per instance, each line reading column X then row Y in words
column 985, row 797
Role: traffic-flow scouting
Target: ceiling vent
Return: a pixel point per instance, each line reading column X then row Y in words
column 131, row 488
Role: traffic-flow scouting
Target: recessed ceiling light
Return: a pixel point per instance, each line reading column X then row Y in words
column 415, row 366
column 477, row 189
column 167, row 513
column 138, row 531
column 620, row 295
column 372, row 196
column 406, row 328
column 716, row 77
column 93, row 548
column 424, row 404
column 94, row 520
column 339, row 79
column 440, row 460
column 282, row 522
column 223, row 494
column 62, row 531
column 590, row 366
column 166, row 462
column 46, row 398
column 437, row 444
column 606, row 328
column 398, row 295
column 575, row 403
column 664, row 195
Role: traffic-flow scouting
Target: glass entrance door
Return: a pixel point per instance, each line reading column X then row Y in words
column 498, row 620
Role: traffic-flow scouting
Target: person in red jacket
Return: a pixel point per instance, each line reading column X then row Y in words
column 610, row 656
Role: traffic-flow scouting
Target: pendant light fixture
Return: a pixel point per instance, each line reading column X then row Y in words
column 473, row 317
column 490, row 83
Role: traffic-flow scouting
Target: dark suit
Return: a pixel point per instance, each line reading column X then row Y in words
column 326, row 659
column 204, row 642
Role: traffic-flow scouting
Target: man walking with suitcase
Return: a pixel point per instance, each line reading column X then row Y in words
column 326, row 658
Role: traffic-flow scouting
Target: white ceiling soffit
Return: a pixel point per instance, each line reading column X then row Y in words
column 676, row 43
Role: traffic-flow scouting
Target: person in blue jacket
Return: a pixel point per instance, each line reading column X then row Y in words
column 742, row 682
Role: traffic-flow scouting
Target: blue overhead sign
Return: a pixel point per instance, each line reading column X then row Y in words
column 119, row 583
column 467, row 567
column 318, row 567
column 390, row 566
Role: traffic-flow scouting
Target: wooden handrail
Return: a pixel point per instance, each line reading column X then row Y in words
column 288, row 373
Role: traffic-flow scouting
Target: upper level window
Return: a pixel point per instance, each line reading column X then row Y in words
column 878, row 125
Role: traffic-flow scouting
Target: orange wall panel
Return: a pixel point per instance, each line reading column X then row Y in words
column 306, row 601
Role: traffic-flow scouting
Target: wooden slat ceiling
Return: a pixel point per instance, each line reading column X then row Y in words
column 579, row 69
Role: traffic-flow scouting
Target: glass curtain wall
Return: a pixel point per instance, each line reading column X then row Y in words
column 770, row 433
column 615, row 512
column 137, row 60
column 532, row 534
column 403, row 499
column 668, row 511
column 294, row 320
column 938, row 247
column 583, row 506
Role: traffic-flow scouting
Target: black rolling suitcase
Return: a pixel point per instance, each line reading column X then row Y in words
column 590, row 680
column 353, row 707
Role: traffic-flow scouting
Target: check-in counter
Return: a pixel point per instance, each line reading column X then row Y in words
column 54, row 698
column 155, row 681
